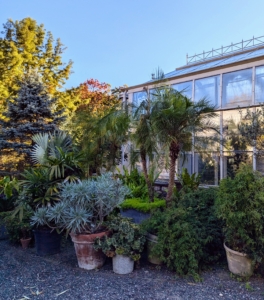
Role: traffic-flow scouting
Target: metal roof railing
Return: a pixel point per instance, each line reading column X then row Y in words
column 238, row 47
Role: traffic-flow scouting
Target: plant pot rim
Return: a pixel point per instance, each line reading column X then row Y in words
column 234, row 252
column 88, row 237
column 25, row 239
column 152, row 236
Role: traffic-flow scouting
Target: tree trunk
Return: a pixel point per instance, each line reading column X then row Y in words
column 174, row 152
column 145, row 172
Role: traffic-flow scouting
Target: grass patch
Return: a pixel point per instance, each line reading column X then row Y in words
column 143, row 205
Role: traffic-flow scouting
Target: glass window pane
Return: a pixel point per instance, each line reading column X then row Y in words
column 260, row 164
column 138, row 97
column 232, row 160
column 207, row 88
column 233, row 141
column 209, row 140
column 236, row 150
column 208, row 167
column 237, row 88
column 184, row 87
column 259, row 84
column 185, row 161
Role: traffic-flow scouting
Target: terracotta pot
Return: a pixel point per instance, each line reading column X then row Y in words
column 123, row 264
column 238, row 263
column 87, row 257
column 25, row 242
column 151, row 241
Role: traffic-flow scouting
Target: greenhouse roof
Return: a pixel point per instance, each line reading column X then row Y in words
column 220, row 61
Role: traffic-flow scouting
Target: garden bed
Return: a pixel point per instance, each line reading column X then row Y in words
column 24, row 274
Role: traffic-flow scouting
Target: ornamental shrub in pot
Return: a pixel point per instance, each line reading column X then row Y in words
column 81, row 211
column 189, row 237
column 240, row 204
column 124, row 244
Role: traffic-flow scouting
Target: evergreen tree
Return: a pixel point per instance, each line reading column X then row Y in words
column 31, row 112
column 25, row 45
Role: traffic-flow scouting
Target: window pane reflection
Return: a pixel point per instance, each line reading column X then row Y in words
column 138, row 97
column 259, row 84
column 208, row 167
column 207, row 88
column 237, row 88
column 184, row 87
column 233, row 140
column 232, row 160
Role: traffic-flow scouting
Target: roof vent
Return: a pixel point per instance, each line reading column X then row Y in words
column 152, row 76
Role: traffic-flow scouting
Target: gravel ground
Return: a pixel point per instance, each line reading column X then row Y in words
column 24, row 275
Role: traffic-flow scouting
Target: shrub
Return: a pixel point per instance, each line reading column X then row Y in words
column 14, row 226
column 126, row 239
column 240, row 204
column 143, row 205
column 189, row 234
column 136, row 183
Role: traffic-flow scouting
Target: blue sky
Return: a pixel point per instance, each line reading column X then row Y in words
column 124, row 41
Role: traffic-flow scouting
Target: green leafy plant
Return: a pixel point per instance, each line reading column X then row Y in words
column 9, row 189
column 143, row 205
column 189, row 234
column 83, row 205
column 240, row 204
column 126, row 238
column 189, row 181
column 15, row 226
column 136, row 183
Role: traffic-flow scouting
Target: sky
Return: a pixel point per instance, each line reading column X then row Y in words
column 125, row 41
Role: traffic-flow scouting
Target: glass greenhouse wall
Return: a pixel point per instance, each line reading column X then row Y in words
column 231, row 90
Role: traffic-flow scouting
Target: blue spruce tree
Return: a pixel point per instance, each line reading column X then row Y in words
column 31, row 112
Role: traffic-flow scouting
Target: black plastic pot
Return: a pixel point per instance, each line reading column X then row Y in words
column 47, row 241
column 3, row 232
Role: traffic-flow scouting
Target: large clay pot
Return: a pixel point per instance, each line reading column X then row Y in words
column 151, row 241
column 122, row 264
column 238, row 263
column 47, row 241
column 88, row 258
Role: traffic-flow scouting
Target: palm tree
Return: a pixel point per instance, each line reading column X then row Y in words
column 102, row 135
column 175, row 119
column 145, row 140
column 56, row 153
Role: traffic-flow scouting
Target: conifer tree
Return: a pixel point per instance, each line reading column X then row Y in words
column 25, row 45
column 31, row 112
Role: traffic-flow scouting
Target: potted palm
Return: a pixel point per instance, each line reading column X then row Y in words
column 124, row 244
column 56, row 161
column 81, row 211
column 240, row 204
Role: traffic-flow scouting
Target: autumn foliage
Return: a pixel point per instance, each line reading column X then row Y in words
column 95, row 97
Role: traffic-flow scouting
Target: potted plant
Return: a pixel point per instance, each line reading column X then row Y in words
column 240, row 204
column 152, row 226
column 124, row 245
column 81, row 211
column 26, row 238
column 139, row 209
